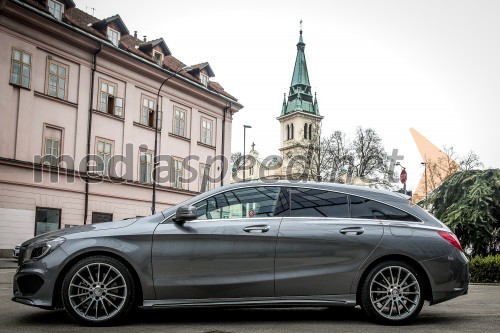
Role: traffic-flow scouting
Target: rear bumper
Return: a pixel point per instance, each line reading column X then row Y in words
column 449, row 276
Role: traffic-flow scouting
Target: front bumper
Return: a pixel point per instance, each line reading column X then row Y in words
column 34, row 281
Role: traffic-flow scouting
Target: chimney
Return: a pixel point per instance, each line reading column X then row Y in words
column 145, row 40
column 135, row 34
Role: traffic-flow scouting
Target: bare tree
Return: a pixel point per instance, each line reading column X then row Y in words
column 470, row 161
column 369, row 156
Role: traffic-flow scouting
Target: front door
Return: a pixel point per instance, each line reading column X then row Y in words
column 227, row 252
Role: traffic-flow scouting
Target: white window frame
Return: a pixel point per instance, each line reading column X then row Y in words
column 180, row 122
column 22, row 60
column 113, row 36
column 205, row 172
column 207, row 131
column 158, row 57
column 177, row 173
column 61, row 79
column 145, row 166
column 52, row 159
column 204, row 79
column 148, row 112
column 104, row 168
column 108, row 102
column 54, row 10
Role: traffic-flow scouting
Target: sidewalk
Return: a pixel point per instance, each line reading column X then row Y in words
column 8, row 263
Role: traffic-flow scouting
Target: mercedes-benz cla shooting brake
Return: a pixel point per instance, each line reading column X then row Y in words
column 251, row 244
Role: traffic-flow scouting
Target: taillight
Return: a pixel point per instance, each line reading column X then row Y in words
column 451, row 238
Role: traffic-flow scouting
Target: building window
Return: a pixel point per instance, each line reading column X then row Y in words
column 148, row 113
column 104, row 150
column 289, row 132
column 56, row 9
column 310, row 131
column 111, row 104
column 204, row 79
column 20, row 70
column 177, row 173
column 101, row 217
column 57, row 79
column 47, row 219
column 179, row 121
column 52, row 145
column 145, row 166
column 205, row 183
column 158, row 56
column 113, row 36
column 206, row 131
column 305, row 131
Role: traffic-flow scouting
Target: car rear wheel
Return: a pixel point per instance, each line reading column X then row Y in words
column 98, row 290
column 392, row 293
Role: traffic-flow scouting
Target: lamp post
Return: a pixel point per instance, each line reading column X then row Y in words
column 155, row 163
column 244, row 144
column 425, row 177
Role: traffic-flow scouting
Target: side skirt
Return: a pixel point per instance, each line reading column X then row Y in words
column 333, row 300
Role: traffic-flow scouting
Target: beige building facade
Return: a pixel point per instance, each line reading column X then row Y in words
column 80, row 100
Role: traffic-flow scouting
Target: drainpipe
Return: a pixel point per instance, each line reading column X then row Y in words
column 89, row 132
column 223, row 140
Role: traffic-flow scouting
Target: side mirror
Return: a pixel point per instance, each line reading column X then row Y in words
column 185, row 213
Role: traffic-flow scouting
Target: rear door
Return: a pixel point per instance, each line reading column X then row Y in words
column 320, row 248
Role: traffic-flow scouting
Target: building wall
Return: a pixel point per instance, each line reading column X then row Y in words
column 28, row 114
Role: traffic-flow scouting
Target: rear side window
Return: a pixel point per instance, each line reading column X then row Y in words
column 318, row 203
column 363, row 208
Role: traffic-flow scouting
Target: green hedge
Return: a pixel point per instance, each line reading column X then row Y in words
column 485, row 269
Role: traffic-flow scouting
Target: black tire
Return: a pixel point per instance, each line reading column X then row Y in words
column 392, row 293
column 98, row 291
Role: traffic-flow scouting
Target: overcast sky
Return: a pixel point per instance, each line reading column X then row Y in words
column 433, row 65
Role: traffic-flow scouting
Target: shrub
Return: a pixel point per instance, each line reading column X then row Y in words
column 485, row 269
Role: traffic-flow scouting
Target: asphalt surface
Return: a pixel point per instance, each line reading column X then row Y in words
column 479, row 311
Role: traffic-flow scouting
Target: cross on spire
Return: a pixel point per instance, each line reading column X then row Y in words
column 253, row 145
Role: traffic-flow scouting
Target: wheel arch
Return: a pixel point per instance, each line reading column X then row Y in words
column 57, row 295
column 408, row 260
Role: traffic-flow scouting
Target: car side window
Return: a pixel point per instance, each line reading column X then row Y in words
column 363, row 208
column 241, row 203
column 318, row 203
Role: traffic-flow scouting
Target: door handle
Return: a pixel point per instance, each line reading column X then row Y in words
column 352, row 230
column 257, row 228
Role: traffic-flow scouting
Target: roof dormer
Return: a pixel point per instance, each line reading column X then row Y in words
column 57, row 7
column 113, row 27
column 202, row 72
column 157, row 49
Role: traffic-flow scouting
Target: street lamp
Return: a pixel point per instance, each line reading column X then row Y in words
column 425, row 177
column 155, row 168
column 244, row 144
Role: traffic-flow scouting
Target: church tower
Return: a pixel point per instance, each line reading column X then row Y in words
column 300, row 124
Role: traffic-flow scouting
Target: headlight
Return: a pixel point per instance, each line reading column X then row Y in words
column 41, row 248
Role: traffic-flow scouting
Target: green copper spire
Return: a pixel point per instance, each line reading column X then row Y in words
column 299, row 96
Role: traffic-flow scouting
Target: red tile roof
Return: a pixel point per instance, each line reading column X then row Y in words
column 86, row 22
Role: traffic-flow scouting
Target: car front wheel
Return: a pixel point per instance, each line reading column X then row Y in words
column 392, row 293
column 98, row 290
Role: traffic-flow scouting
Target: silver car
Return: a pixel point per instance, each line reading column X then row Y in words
column 252, row 244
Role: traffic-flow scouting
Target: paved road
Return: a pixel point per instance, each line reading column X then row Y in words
column 477, row 312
